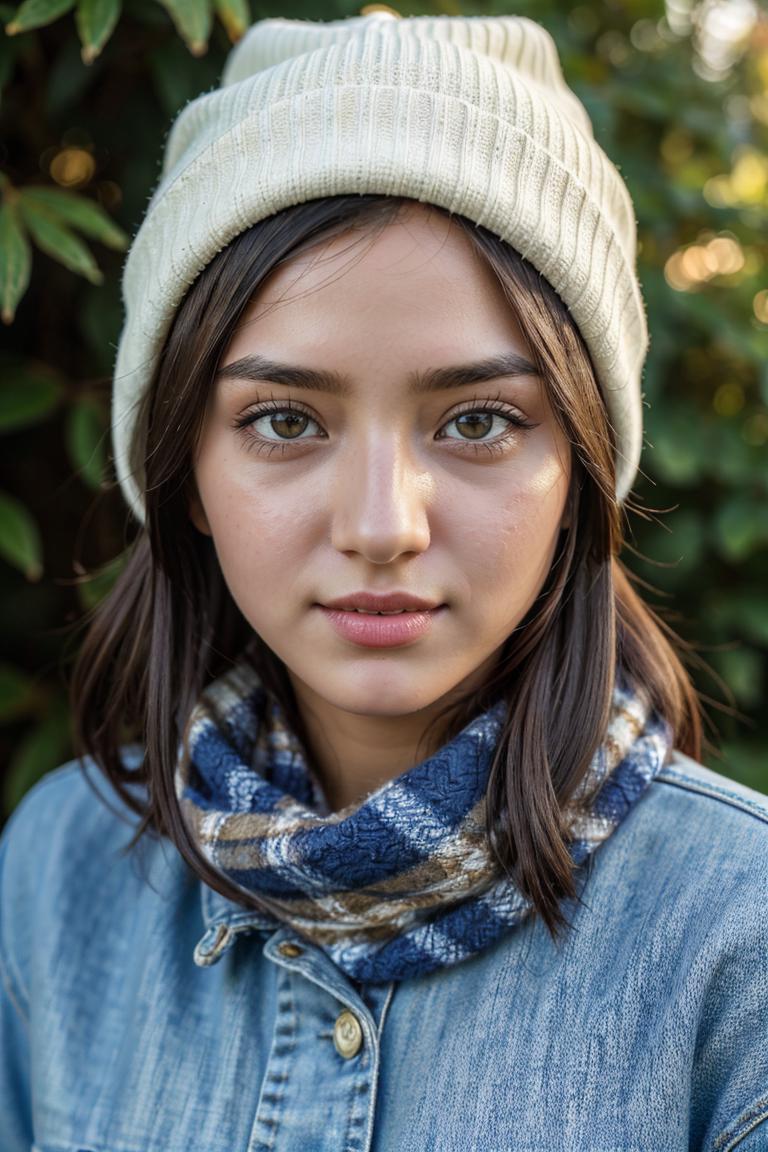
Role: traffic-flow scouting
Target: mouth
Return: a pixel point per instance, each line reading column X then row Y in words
column 399, row 612
column 392, row 603
column 378, row 629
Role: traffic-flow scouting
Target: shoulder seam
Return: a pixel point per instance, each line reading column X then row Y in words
column 679, row 779
column 751, row 1118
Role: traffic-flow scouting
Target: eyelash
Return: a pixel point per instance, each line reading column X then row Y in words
column 499, row 444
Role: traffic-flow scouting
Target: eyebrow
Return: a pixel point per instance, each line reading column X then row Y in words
column 254, row 367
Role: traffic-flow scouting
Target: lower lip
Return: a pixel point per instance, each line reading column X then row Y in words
column 381, row 631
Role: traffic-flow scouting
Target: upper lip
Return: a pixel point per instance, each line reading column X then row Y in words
column 391, row 602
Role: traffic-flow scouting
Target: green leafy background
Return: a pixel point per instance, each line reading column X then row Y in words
column 88, row 89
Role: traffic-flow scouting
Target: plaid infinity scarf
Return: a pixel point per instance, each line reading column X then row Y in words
column 404, row 882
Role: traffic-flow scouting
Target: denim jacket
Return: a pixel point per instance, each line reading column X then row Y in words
column 142, row 1012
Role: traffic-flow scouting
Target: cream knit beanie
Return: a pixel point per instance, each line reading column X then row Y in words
column 468, row 113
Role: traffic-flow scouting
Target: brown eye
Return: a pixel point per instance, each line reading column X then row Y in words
column 290, row 425
column 476, row 423
column 477, row 419
column 274, row 422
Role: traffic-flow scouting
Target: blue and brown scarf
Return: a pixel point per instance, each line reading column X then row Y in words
column 403, row 882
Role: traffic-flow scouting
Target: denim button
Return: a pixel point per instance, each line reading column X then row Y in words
column 287, row 948
column 347, row 1035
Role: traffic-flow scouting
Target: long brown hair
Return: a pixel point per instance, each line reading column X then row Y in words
column 169, row 625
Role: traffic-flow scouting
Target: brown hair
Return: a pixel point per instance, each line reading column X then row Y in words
column 169, row 625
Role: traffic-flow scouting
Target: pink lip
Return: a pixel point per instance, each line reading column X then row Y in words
column 381, row 631
column 382, row 602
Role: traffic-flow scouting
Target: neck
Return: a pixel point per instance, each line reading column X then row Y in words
column 356, row 755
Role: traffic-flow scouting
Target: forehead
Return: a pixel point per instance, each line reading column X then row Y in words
column 418, row 277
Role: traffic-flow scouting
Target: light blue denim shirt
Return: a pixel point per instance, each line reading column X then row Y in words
column 142, row 1012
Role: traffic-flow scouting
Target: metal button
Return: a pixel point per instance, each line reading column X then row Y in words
column 347, row 1035
column 287, row 948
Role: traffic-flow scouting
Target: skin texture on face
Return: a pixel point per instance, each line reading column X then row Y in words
column 383, row 489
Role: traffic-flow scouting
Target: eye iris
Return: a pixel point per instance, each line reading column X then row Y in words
column 484, row 419
column 294, row 421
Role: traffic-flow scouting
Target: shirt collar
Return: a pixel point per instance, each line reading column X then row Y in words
column 223, row 919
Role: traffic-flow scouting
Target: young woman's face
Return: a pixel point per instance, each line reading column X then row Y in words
column 454, row 495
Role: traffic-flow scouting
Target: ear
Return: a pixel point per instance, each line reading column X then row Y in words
column 197, row 513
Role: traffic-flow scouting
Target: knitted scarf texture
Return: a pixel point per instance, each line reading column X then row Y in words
column 403, row 882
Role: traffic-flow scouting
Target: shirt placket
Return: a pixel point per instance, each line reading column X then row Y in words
column 319, row 1087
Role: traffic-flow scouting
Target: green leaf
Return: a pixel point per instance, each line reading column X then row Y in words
column 57, row 241
column 83, row 214
column 729, row 459
column 741, row 525
column 86, row 434
column 742, row 670
column 43, row 748
column 234, row 15
column 193, row 20
column 20, row 542
column 750, row 612
column 28, row 393
column 36, row 13
column 15, row 260
column 95, row 21
column 673, row 454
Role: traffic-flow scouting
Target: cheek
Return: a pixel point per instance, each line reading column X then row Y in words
column 508, row 544
column 261, row 536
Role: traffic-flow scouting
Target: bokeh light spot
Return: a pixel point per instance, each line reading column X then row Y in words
column 709, row 257
column 72, row 167
column 760, row 305
column 728, row 399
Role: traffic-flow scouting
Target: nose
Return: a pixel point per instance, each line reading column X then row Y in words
column 381, row 502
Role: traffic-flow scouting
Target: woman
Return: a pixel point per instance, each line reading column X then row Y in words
column 427, row 859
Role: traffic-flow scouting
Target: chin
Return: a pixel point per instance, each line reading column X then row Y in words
column 379, row 699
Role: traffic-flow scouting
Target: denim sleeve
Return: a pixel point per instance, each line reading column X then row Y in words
column 731, row 1056
column 15, row 1100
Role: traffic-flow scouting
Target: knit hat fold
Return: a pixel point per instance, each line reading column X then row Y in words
column 468, row 113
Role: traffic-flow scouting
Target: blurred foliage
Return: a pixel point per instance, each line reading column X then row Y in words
column 88, row 89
